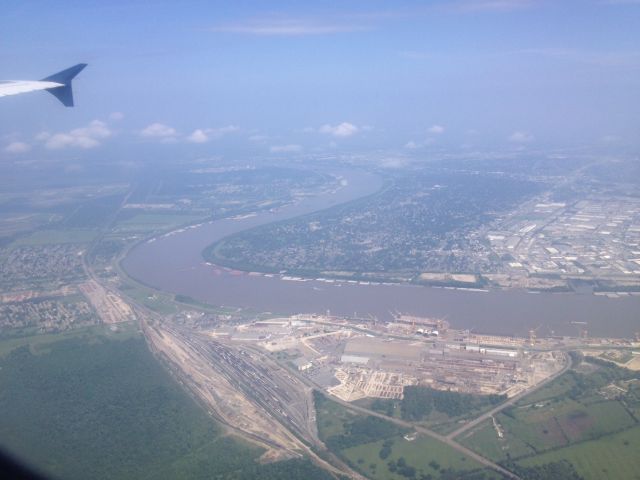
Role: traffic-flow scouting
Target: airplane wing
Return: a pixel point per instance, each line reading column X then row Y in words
column 14, row 87
column 58, row 84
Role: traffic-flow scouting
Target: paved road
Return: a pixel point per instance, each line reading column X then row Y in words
column 449, row 441
column 509, row 402
column 453, row 444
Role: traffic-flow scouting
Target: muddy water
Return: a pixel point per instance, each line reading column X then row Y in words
column 174, row 263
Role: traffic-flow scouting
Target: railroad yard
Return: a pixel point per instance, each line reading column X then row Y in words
column 352, row 361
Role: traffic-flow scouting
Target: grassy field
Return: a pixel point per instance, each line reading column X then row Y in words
column 426, row 455
column 378, row 449
column 439, row 411
column 557, row 424
column 149, row 222
column 47, row 237
column 331, row 418
column 156, row 301
column 40, row 343
column 98, row 405
column 574, row 422
column 558, row 387
column 614, row 456
column 485, row 441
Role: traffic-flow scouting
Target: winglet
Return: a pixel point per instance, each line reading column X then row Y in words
column 64, row 92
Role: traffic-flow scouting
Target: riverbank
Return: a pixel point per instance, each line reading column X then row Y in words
column 174, row 263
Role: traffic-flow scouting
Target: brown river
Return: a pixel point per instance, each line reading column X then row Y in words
column 174, row 263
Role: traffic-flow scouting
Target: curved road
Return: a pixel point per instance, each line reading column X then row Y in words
column 441, row 438
column 510, row 401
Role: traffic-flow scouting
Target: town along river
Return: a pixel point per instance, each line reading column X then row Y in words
column 174, row 263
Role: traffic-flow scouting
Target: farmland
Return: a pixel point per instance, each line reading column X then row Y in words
column 614, row 456
column 586, row 421
column 381, row 450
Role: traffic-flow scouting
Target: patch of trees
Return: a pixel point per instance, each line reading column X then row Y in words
column 419, row 402
column 319, row 400
column 383, row 406
column 385, row 451
column 613, row 371
column 93, row 213
column 451, row 474
column 562, row 470
column 401, row 467
column 101, row 409
column 362, row 430
column 185, row 299
column 296, row 468
column 593, row 381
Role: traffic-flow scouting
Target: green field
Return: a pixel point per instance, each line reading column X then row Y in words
column 378, row 449
column 40, row 343
column 485, row 441
column 330, row 417
column 560, row 386
column 581, row 424
column 100, row 406
column 149, row 222
column 47, row 237
column 440, row 411
column 560, row 423
column 153, row 300
column 614, row 456
column 424, row 454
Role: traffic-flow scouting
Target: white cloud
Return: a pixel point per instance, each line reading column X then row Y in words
column 345, row 129
column 219, row 132
column 89, row 136
column 198, row 136
column 393, row 162
column 258, row 138
column 413, row 145
column 291, row 148
column 203, row 135
column 116, row 116
column 42, row 136
column 288, row 27
column 158, row 130
column 436, row 129
column 17, row 147
column 64, row 140
column 168, row 134
column 95, row 129
column 520, row 137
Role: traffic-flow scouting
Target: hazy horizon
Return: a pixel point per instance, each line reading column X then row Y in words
column 285, row 79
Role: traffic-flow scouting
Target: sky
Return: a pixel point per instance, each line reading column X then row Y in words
column 293, row 78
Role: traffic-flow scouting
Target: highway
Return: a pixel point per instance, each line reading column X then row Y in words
column 444, row 439
column 510, row 401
